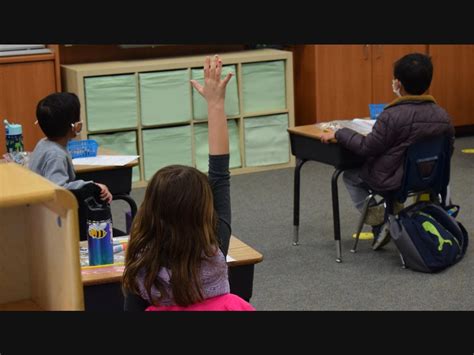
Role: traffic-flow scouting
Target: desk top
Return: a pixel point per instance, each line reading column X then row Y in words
column 103, row 151
column 310, row 131
column 20, row 186
column 238, row 250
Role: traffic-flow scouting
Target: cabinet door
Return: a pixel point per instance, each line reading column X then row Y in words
column 22, row 85
column 383, row 58
column 453, row 74
column 343, row 81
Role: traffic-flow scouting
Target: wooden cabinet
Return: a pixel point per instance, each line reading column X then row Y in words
column 24, row 80
column 452, row 84
column 340, row 81
column 39, row 236
column 383, row 58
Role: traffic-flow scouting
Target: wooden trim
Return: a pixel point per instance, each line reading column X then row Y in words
column 138, row 129
column 132, row 66
column 57, row 65
column 27, row 58
column 23, row 305
column 241, row 127
column 103, row 53
column 310, row 131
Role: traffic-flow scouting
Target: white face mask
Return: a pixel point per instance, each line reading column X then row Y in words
column 76, row 128
column 396, row 87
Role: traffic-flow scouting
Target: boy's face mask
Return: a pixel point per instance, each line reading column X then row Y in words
column 76, row 127
column 396, row 87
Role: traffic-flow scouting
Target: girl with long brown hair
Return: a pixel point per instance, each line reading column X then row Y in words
column 180, row 236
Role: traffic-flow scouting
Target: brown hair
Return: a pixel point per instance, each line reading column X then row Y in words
column 175, row 227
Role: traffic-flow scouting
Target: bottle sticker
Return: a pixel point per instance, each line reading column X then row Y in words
column 98, row 230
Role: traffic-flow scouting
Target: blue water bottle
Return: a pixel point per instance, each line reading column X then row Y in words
column 14, row 137
column 99, row 232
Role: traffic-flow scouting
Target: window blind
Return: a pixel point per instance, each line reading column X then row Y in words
column 22, row 49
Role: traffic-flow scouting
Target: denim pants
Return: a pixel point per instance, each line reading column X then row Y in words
column 357, row 188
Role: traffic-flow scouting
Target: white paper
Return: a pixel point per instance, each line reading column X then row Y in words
column 106, row 160
column 360, row 125
column 229, row 258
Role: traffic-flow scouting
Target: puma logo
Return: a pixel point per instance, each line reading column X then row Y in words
column 429, row 227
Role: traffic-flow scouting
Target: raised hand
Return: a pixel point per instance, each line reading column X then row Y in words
column 214, row 87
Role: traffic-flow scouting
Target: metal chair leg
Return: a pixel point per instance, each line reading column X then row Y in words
column 361, row 221
column 403, row 261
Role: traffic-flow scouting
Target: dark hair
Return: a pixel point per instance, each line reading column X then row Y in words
column 175, row 228
column 56, row 112
column 415, row 72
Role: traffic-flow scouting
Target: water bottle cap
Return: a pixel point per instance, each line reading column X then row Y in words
column 14, row 129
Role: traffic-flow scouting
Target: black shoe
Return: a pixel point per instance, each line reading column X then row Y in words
column 381, row 236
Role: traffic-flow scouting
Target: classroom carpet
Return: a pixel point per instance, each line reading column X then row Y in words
column 307, row 277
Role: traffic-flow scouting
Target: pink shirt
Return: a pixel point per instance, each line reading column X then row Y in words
column 227, row 302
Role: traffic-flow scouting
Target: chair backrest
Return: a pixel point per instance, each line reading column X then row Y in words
column 427, row 168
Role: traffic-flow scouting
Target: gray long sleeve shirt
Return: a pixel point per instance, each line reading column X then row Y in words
column 52, row 161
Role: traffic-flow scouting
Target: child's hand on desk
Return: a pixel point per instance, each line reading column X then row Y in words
column 105, row 194
column 328, row 135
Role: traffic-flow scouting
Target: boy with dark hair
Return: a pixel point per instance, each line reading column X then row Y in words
column 409, row 118
column 58, row 116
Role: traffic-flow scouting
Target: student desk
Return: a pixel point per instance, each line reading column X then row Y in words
column 118, row 179
column 102, row 285
column 306, row 145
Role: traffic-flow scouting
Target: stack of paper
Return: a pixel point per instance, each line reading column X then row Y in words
column 105, row 160
column 361, row 125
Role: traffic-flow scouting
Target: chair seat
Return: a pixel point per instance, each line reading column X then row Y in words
column 426, row 170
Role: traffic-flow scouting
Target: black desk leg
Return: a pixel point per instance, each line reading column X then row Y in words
column 335, row 214
column 296, row 200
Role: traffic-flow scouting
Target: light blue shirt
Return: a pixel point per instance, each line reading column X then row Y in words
column 52, row 161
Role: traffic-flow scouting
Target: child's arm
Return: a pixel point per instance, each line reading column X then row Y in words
column 213, row 92
column 56, row 170
column 375, row 143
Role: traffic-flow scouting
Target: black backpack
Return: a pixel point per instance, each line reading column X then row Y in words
column 428, row 236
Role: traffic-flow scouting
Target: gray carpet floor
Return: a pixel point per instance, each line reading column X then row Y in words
column 307, row 277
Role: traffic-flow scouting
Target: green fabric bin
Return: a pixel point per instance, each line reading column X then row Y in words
column 266, row 140
column 231, row 98
column 263, row 86
column 165, row 97
column 166, row 146
column 123, row 143
column 201, row 144
column 111, row 102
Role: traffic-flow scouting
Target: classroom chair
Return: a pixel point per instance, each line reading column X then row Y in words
column 426, row 170
column 92, row 190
